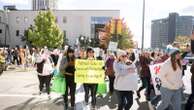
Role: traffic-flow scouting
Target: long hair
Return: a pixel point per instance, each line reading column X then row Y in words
column 70, row 60
column 175, row 62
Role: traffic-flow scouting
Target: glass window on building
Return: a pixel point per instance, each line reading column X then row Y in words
column 17, row 32
column 97, row 23
column 17, row 19
column 0, row 31
column 64, row 19
column 25, row 19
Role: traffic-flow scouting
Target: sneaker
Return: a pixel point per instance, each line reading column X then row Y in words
column 93, row 107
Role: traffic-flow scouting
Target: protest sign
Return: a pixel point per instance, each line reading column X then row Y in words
column 155, row 70
column 89, row 71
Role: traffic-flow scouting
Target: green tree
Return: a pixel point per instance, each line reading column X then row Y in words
column 45, row 32
column 182, row 39
column 125, row 39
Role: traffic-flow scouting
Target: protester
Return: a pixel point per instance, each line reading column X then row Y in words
column 110, row 72
column 190, row 101
column 15, row 55
column 171, row 78
column 90, row 87
column 44, row 70
column 145, row 75
column 69, row 76
column 125, row 80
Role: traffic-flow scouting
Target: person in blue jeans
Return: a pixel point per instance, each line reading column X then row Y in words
column 171, row 78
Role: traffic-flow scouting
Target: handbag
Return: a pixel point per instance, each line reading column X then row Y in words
column 58, row 84
column 102, row 88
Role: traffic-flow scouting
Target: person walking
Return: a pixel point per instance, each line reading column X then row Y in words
column 110, row 72
column 69, row 76
column 145, row 75
column 44, row 70
column 190, row 101
column 171, row 78
column 126, row 80
column 90, row 87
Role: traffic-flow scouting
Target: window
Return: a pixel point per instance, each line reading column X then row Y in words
column 17, row 19
column 64, row 19
column 0, row 31
column 25, row 19
column 17, row 32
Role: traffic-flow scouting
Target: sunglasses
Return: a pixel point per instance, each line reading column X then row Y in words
column 123, row 56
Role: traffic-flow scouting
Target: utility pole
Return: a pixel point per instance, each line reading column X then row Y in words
column 143, row 19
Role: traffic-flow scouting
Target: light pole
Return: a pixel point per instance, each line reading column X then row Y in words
column 143, row 19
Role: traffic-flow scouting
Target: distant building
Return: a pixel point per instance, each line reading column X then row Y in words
column 44, row 4
column 9, row 7
column 165, row 30
column 73, row 23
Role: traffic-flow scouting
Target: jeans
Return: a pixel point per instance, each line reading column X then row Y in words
column 125, row 99
column 93, row 89
column 170, row 98
column 70, row 84
column 146, row 84
column 111, row 83
column 44, row 80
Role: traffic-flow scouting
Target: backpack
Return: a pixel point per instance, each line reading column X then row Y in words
column 40, row 66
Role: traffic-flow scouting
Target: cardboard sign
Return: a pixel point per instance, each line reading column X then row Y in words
column 89, row 71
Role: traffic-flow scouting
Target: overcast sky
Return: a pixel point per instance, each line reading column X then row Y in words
column 131, row 10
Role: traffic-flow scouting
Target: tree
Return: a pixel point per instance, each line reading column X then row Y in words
column 125, row 39
column 45, row 32
column 182, row 39
column 124, row 36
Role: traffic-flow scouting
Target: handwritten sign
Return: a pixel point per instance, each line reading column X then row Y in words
column 155, row 70
column 89, row 71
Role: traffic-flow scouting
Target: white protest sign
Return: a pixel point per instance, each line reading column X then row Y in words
column 112, row 46
column 155, row 70
column 187, row 81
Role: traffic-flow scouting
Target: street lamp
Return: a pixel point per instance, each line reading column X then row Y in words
column 143, row 19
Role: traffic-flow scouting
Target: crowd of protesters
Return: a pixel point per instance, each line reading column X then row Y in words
column 122, row 68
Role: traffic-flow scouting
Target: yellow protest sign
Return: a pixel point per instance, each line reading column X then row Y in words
column 89, row 71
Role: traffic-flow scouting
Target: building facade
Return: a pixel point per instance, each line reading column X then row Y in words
column 165, row 30
column 44, row 4
column 72, row 22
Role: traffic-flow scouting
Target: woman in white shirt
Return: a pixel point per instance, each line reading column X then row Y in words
column 171, row 78
column 125, row 80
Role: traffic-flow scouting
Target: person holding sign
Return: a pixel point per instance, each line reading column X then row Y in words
column 90, row 87
column 171, row 78
column 126, row 80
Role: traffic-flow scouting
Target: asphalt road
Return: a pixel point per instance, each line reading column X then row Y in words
column 19, row 91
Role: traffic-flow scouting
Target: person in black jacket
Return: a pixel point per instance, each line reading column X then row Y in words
column 69, row 76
